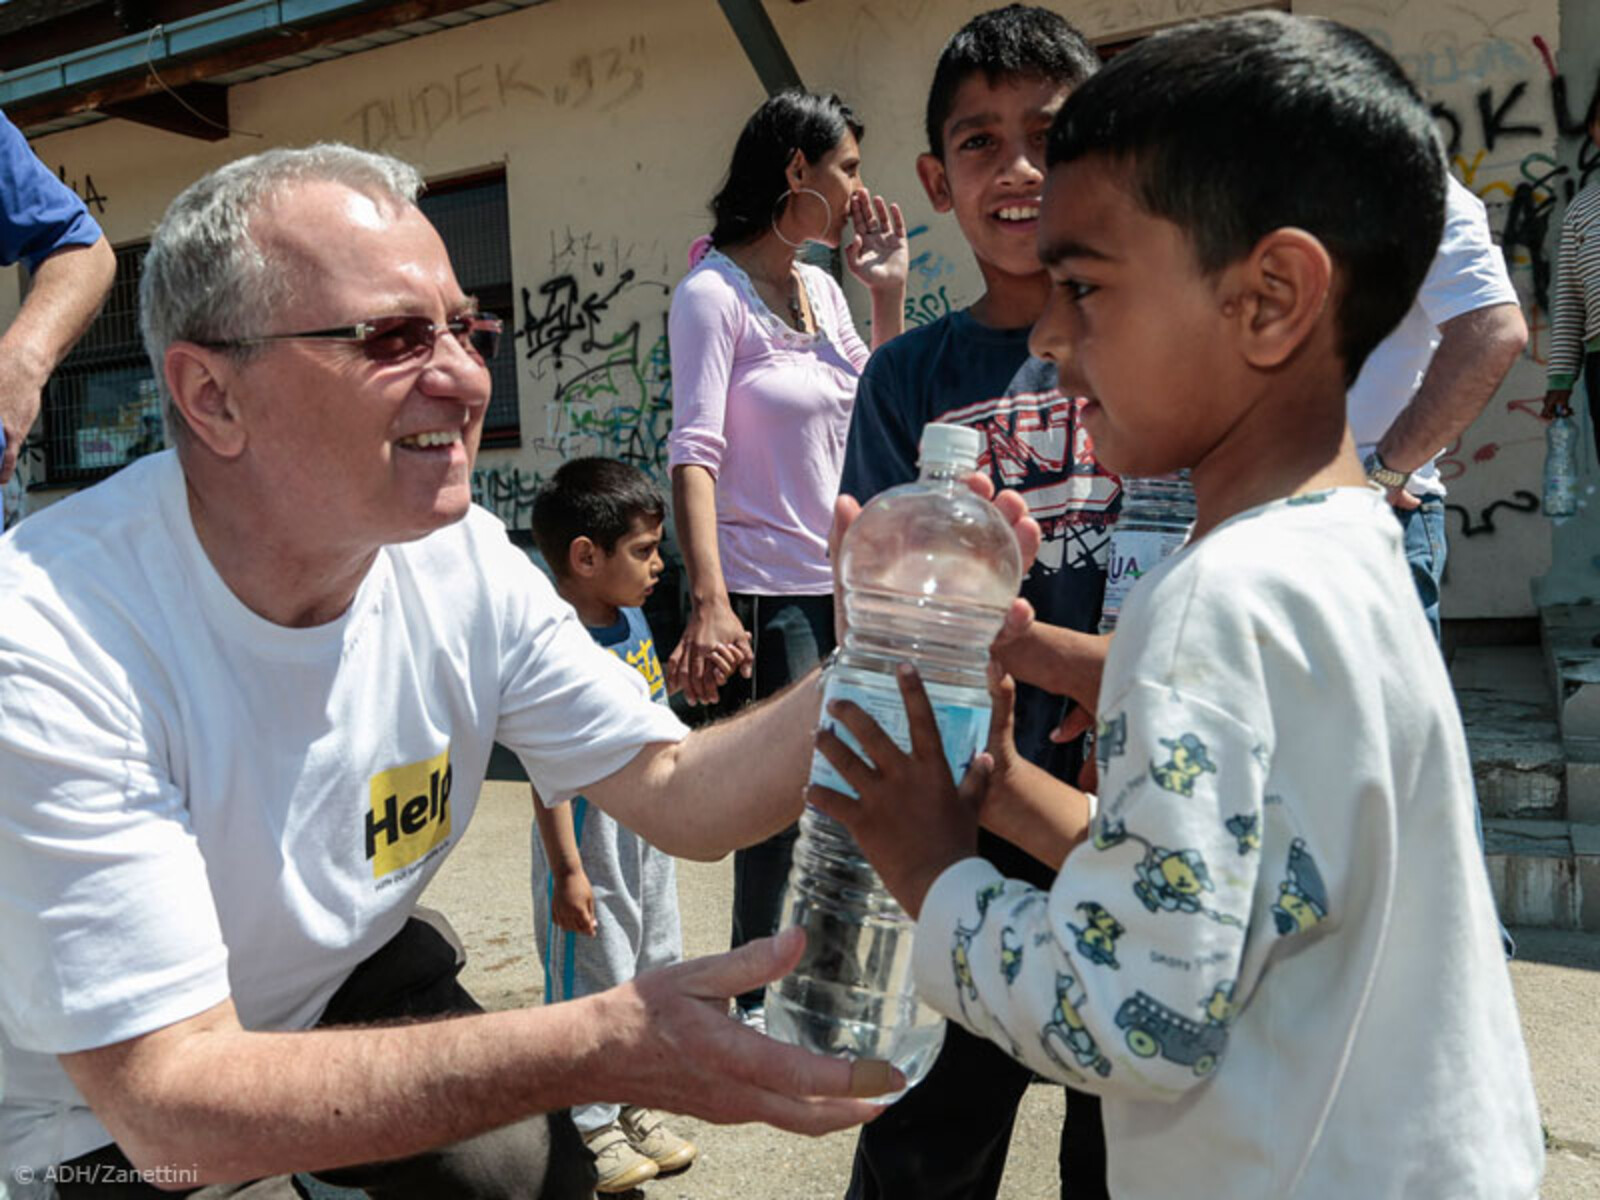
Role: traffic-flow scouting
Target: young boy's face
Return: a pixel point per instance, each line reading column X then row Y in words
column 993, row 167
column 628, row 574
column 1131, row 323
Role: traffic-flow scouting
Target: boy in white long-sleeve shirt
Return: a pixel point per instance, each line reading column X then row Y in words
column 1275, row 955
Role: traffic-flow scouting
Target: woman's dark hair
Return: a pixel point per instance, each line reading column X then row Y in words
column 748, row 201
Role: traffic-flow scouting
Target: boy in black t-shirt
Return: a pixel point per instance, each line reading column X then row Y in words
column 998, row 85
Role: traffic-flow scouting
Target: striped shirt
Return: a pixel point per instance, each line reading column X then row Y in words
column 1575, row 315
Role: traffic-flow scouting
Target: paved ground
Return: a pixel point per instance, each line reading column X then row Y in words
column 484, row 890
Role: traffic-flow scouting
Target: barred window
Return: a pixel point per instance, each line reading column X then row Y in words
column 102, row 408
column 470, row 215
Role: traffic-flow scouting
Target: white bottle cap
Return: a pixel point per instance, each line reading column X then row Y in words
column 958, row 445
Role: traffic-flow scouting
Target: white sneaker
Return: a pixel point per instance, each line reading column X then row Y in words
column 621, row 1168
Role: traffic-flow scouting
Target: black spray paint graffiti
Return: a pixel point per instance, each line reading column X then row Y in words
column 612, row 394
column 1520, row 502
column 1511, row 116
column 507, row 494
column 92, row 197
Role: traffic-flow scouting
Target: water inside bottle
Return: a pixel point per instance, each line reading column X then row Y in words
column 850, row 995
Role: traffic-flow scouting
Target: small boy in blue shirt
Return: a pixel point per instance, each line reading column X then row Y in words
column 606, row 909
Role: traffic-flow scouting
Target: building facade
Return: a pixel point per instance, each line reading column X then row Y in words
column 572, row 146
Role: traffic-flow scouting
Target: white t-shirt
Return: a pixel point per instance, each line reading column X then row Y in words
column 199, row 803
column 1276, row 957
column 1467, row 273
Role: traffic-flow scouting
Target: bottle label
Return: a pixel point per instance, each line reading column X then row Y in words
column 963, row 728
column 1131, row 554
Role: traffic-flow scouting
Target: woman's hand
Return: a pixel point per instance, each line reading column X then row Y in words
column 714, row 643
column 879, row 255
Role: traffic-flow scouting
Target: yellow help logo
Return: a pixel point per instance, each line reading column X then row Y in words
column 410, row 813
column 644, row 660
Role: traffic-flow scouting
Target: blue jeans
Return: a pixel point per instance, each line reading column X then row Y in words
column 791, row 634
column 1426, row 550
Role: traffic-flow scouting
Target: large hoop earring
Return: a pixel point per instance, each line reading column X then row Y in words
column 781, row 199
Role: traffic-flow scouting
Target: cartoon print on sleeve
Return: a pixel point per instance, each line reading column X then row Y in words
column 987, row 895
column 1097, row 937
column 1173, row 880
column 1302, row 896
column 1111, row 739
column 1065, row 1034
column 1246, row 827
column 1154, row 1028
column 961, row 963
column 1186, row 763
column 1010, row 955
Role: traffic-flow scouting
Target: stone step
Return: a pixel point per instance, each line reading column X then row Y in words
column 1518, row 761
column 1571, row 635
column 1545, row 873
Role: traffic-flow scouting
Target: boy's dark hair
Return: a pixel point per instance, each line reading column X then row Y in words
column 747, row 203
column 1240, row 125
column 1018, row 41
column 597, row 498
column 1593, row 115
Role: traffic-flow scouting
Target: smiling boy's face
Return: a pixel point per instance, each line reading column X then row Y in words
column 993, row 167
column 1132, row 323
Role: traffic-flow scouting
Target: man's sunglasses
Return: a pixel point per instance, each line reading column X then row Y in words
column 392, row 339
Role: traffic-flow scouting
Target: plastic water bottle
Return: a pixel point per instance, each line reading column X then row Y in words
column 929, row 571
column 1156, row 515
column 1561, row 468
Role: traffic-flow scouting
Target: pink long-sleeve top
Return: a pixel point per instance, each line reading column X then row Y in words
column 764, row 408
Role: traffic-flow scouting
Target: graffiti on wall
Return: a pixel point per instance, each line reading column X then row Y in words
column 599, row 79
column 592, row 336
column 928, row 283
column 93, row 198
column 508, row 492
column 1504, row 104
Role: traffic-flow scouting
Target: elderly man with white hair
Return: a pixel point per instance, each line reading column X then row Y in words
column 250, row 687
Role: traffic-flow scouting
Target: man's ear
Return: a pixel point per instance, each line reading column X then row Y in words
column 1280, row 294
column 583, row 557
column 935, row 181
column 198, row 381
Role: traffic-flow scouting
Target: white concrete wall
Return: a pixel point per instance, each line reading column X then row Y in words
column 614, row 121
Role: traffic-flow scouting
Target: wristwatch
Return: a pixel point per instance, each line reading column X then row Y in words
column 1385, row 477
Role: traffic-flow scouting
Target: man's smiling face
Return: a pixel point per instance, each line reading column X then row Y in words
column 377, row 451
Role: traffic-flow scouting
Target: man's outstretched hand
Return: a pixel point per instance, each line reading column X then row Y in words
column 670, row 1043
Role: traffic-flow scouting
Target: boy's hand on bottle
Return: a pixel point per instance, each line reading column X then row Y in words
column 908, row 817
column 1557, row 403
column 572, row 905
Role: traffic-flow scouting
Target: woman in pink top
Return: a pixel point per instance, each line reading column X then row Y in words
column 765, row 360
